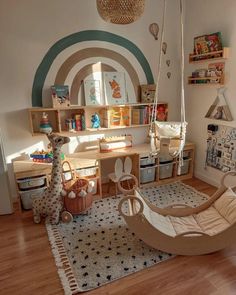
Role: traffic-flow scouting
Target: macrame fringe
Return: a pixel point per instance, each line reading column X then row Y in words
column 65, row 271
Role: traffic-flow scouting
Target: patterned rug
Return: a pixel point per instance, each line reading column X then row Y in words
column 98, row 248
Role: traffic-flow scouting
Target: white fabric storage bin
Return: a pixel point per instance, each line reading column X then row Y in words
column 86, row 172
column 26, row 196
column 147, row 174
column 147, row 161
column 165, row 169
column 28, row 183
column 185, row 168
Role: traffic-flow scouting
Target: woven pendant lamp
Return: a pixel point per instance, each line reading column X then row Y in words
column 120, row 11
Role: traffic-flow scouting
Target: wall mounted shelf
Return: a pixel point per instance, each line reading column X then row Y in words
column 210, row 56
column 206, row 80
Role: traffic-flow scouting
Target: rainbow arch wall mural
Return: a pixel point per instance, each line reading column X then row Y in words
column 65, row 64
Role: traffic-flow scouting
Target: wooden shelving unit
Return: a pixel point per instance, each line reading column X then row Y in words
column 57, row 118
column 210, row 56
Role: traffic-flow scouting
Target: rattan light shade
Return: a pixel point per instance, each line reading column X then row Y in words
column 120, row 11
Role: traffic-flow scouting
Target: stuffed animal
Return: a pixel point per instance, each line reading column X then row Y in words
column 50, row 204
column 219, row 113
column 95, row 121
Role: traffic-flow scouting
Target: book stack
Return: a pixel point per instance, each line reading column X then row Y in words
column 76, row 123
column 140, row 115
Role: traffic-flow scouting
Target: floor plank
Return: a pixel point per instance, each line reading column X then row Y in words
column 27, row 265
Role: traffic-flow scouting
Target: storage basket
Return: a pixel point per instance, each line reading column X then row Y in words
column 91, row 171
column 185, row 168
column 26, row 196
column 165, row 169
column 147, row 174
column 78, row 204
column 147, row 169
column 147, row 161
column 29, row 183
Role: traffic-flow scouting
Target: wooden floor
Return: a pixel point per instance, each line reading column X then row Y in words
column 27, row 265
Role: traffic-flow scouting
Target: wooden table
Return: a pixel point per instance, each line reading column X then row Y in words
column 28, row 168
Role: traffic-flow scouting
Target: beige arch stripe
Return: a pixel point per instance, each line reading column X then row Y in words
column 82, row 74
column 97, row 52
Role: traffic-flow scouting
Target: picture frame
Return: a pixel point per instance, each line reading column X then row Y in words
column 92, row 92
column 148, row 93
column 60, row 96
column 114, row 88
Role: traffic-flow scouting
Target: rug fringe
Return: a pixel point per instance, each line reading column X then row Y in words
column 65, row 271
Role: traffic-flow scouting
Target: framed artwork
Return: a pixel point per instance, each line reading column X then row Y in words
column 92, row 92
column 114, row 86
column 60, row 96
column 148, row 93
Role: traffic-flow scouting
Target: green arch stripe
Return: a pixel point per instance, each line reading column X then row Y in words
column 90, row 35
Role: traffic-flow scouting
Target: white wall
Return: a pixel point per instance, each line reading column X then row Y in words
column 205, row 17
column 28, row 28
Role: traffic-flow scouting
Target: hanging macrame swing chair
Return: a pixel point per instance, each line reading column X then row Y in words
column 167, row 139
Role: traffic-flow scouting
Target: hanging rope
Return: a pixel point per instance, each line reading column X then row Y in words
column 154, row 108
column 171, row 125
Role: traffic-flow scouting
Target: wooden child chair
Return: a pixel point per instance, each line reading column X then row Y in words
column 120, row 169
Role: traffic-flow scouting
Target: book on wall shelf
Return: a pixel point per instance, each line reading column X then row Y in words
column 208, row 43
column 60, row 96
column 208, row 47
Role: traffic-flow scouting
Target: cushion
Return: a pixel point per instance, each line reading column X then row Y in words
column 226, row 205
column 185, row 224
column 211, row 221
column 160, row 222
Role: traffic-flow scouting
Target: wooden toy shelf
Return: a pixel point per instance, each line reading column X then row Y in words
column 210, row 56
column 58, row 116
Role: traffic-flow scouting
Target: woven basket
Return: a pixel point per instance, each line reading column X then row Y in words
column 120, row 11
column 79, row 204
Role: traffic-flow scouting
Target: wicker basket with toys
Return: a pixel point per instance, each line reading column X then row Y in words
column 76, row 193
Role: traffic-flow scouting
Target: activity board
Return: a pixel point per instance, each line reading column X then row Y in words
column 221, row 147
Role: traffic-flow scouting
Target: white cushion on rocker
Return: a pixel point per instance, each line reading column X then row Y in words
column 211, row 221
column 160, row 222
column 226, row 205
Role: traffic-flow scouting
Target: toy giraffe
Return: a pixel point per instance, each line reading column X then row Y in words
column 50, row 204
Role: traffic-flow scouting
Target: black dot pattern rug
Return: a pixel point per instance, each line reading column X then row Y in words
column 100, row 247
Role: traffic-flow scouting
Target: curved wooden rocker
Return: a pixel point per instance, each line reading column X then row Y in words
column 183, row 230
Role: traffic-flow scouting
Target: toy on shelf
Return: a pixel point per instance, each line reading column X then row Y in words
column 108, row 144
column 95, row 119
column 45, row 126
column 76, row 122
column 42, row 156
column 213, row 75
column 220, row 105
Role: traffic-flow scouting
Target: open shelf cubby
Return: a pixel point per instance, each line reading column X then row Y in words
column 112, row 117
